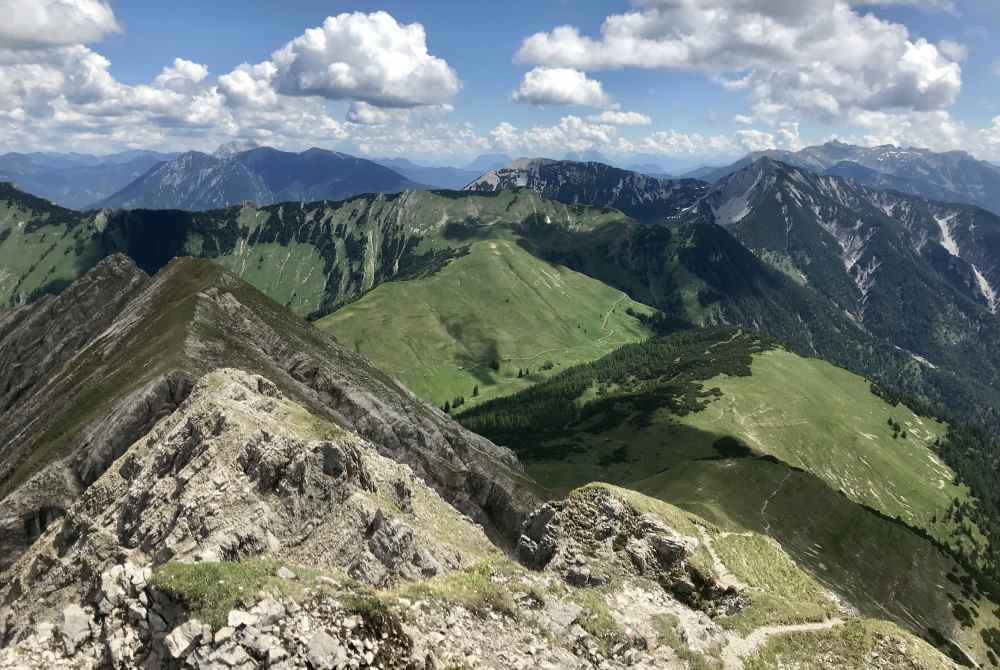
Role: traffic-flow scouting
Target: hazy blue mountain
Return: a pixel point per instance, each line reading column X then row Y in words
column 198, row 181
column 451, row 178
column 652, row 169
column 76, row 180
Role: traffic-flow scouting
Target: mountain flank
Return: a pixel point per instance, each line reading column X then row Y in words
column 754, row 438
column 638, row 195
column 87, row 384
column 197, row 181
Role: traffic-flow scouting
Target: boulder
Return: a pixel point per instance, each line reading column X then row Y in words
column 75, row 628
column 325, row 652
column 185, row 637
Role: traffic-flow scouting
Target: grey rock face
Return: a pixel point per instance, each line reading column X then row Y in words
column 324, row 652
column 36, row 342
column 236, row 472
column 184, row 637
column 75, row 628
column 638, row 195
column 538, row 542
column 596, row 536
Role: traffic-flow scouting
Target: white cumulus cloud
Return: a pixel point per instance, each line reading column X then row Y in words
column 819, row 57
column 990, row 139
column 367, row 57
column 786, row 136
column 561, row 86
column 44, row 23
column 676, row 143
column 572, row 133
column 956, row 51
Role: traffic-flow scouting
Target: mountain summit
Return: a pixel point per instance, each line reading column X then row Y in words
column 235, row 147
column 198, row 181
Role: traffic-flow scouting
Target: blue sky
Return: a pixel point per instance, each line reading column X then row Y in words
column 678, row 83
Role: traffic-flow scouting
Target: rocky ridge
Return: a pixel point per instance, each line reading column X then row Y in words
column 634, row 609
column 244, row 531
column 920, row 275
column 59, row 437
column 638, row 195
column 953, row 176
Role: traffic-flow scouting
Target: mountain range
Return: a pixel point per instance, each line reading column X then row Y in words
column 173, row 473
column 366, row 431
column 829, row 267
column 948, row 177
column 202, row 181
column 486, row 162
column 77, row 180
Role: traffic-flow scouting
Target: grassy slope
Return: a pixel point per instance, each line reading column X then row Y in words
column 308, row 257
column 825, row 420
column 805, row 412
column 879, row 566
column 440, row 334
column 857, row 645
column 36, row 255
column 780, row 592
column 826, row 423
column 277, row 251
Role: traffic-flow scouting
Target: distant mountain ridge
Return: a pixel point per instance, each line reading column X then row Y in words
column 953, row 176
column 77, row 180
column 198, row 181
column 640, row 196
column 450, row 178
column 919, row 275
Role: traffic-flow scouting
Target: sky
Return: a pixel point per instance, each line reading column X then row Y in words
column 667, row 82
